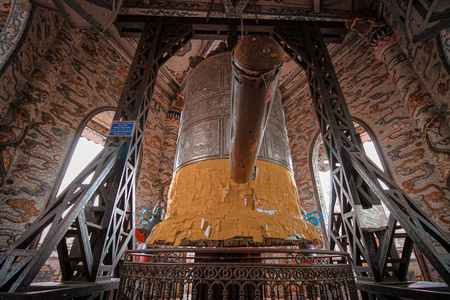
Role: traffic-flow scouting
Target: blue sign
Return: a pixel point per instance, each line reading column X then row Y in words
column 122, row 128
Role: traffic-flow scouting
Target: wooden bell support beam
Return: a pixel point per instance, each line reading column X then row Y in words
column 98, row 215
column 355, row 183
column 256, row 64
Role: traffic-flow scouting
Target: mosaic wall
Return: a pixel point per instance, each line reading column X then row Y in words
column 79, row 73
column 433, row 70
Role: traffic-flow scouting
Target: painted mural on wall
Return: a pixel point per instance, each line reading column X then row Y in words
column 431, row 68
column 159, row 153
column 15, row 111
column 5, row 7
column 444, row 41
column 170, row 146
column 80, row 72
column 426, row 61
column 372, row 96
column 40, row 35
column 428, row 110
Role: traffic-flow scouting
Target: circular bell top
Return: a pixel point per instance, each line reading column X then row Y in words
column 257, row 54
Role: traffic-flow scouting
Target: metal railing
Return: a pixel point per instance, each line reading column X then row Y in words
column 236, row 273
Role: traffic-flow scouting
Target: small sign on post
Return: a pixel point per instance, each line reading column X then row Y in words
column 122, row 128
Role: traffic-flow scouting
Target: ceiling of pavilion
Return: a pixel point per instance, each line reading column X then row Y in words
column 174, row 73
column 172, row 79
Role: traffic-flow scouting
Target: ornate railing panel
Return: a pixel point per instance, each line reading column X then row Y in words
column 236, row 274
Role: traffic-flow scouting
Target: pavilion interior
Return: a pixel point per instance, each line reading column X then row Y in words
column 64, row 77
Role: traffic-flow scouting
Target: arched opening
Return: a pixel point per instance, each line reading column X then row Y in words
column 322, row 180
column 322, row 174
column 89, row 141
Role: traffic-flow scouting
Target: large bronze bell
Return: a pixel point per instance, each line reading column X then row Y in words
column 232, row 105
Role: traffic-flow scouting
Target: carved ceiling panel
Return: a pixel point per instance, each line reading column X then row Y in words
column 264, row 9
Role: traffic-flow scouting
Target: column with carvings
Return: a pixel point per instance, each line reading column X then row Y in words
column 432, row 124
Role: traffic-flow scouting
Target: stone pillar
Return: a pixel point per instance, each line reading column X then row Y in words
column 432, row 124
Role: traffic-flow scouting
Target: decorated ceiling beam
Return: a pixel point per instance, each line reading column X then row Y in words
column 234, row 9
column 268, row 10
column 216, row 29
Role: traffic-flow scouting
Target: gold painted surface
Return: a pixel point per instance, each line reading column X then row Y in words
column 205, row 204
